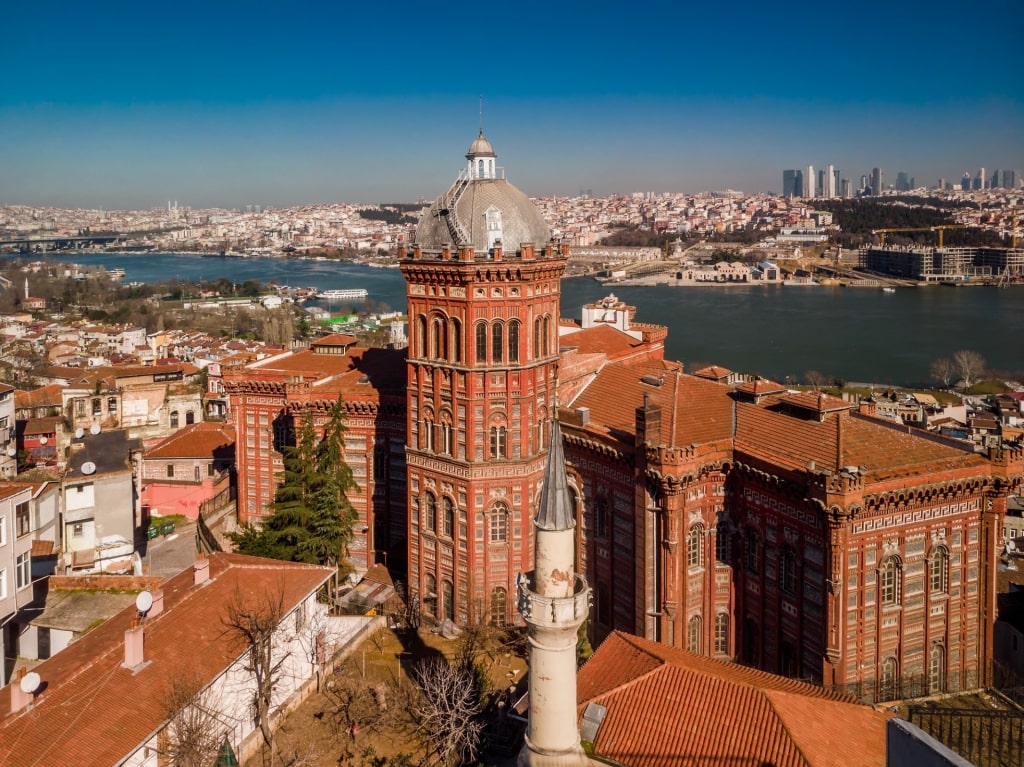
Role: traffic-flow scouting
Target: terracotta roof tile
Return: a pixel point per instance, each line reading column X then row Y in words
column 198, row 440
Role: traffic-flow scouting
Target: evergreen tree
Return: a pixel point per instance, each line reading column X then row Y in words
column 312, row 519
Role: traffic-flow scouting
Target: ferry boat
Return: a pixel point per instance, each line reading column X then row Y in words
column 342, row 294
column 888, row 290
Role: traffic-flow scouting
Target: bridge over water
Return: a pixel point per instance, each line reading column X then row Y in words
column 48, row 244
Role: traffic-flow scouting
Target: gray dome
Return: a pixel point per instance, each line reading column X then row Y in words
column 481, row 147
column 520, row 220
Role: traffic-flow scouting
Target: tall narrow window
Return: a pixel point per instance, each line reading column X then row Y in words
column 498, row 442
column 427, row 434
column 722, row 540
column 448, row 597
column 601, row 516
column 430, row 594
column 887, row 685
column 752, row 551
column 890, row 580
column 722, row 634
column 449, row 518
column 938, row 568
column 499, row 607
column 190, row 417
column 174, row 419
column 497, row 341
column 446, row 436
column 430, row 512
column 545, row 335
column 693, row 640
column 936, row 669
column 456, row 341
column 536, row 339
column 787, row 571
column 481, row 343
column 421, row 337
column 499, row 524
column 513, row 341
column 695, row 547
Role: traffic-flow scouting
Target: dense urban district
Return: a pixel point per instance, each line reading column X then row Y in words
column 481, row 529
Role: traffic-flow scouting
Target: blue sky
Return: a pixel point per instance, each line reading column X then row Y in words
column 129, row 105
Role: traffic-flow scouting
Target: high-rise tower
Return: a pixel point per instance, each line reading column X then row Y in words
column 482, row 282
column 554, row 601
column 809, row 181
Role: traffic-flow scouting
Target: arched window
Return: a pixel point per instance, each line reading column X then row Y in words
column 499, row 607
column 890, row 580
column 430, row 594
column 938, row 571
column 481, row 343
column 752, row 551
column 421, row 337
column 545, row 335
column 513, row 341
column 695, row 547
column 446, row 434
column 190, row 417
column 787, row 570
column 694, row 633
column 456, row 341
column 174, row 419
column 936, row 669
column 499, row 523
column 430, row 512
column 722, row 634
column 887, row 684
column 427, row 433
column 600, row 516
column 536, row 339
column 448, row 599
column 448, row 524
column 722, row 540
column 499, row 446
column 497, row 341
column 438, row 348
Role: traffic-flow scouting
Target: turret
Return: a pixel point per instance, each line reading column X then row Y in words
column 554, row 601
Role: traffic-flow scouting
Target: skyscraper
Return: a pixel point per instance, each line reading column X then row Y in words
column 876, row 181
column 831, row 181
column 790, row 180
column 809, row 189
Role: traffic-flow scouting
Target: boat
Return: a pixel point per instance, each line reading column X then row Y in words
column 888, row 290
column 342, row 294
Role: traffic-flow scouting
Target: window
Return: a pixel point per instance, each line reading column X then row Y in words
column 449, row 518
column 174, row 419
column 23, row 570
column 421, row 336
column 195, row 473
column 111, row 404
column 601, row 516
column 889, row 580
column 499, row 607
column 446, row 437
column 722, row 541
column 22, row 519
column 693, row 639
column 513, row 341
column 190, row 417
column 3, row 583
column 752, row 551
column 936, row 669
column 695, row 547
column 430, row 595
column 448, row 600
column 499, row 524
column 3, row 530
column 498, row 446
column 427, row 434
column 430, row 512
column 456, row 341
column 722, row 634
column 170, row 470
column 787, row 571
column 497, row 341
column 97, row 407
column 481, row 343
column 938, row 569
column 77, row 529
column 437, row 350
column 887, row 684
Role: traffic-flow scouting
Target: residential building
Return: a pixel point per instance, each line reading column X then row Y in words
column 187, row 469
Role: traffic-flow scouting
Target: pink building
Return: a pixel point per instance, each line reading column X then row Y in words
column 186, row 469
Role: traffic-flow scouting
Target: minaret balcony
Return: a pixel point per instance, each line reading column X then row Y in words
column 540, row 610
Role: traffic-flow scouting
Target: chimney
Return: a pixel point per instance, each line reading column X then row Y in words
column 446, row 252
column 133, row 655
column 19, row 698
column 465, row 253
column 201, row 570
column 498, row 251
column 158, row 604
column 526, row 251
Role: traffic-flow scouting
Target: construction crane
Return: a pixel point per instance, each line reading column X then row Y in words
column 940, row 229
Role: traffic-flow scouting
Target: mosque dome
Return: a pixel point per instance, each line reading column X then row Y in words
column 482, row 209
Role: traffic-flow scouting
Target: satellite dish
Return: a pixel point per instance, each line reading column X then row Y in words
column 30, row 682
column 88, row 467
column 12, row 451
column 79, row 432
column 43, row 440
column 94, row 429
column 143, row 602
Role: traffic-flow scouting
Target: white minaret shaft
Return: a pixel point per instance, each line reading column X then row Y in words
column 554, row 602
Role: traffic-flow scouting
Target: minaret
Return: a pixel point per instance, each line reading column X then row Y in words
column 554, row 601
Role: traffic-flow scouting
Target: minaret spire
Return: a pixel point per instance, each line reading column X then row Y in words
column 554, row 601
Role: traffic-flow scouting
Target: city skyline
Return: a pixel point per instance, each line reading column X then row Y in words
column 229, row 105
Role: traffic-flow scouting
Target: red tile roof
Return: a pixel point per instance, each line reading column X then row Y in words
column 198, row 440
column 125, row 705
column 668, row 707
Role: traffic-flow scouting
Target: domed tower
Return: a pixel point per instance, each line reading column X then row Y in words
column 482, row 283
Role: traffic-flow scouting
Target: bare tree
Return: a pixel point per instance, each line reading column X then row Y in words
column 943, row 371
column 194, row 732
column 448, row 712
column 815, row 379
column 256, row 623
column 970, row 365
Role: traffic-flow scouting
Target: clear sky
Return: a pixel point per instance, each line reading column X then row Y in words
column 218, row 103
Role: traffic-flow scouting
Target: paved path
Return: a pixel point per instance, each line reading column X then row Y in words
column 168, row 555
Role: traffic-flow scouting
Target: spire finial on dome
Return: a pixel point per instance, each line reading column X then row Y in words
column 481, row 115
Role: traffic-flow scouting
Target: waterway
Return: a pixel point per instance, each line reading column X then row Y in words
column 856, row 334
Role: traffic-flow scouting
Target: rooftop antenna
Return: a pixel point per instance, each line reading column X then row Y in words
column 481, row 114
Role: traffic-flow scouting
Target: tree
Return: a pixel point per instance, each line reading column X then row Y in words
column 194, row 732
column 943, row 371
column 970, row 365
column 815, row 379
column 312, row 519
column 448, row 712
column 255, row 623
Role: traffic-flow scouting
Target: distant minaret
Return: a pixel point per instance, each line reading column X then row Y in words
column 554, row 601
column 26, row 288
